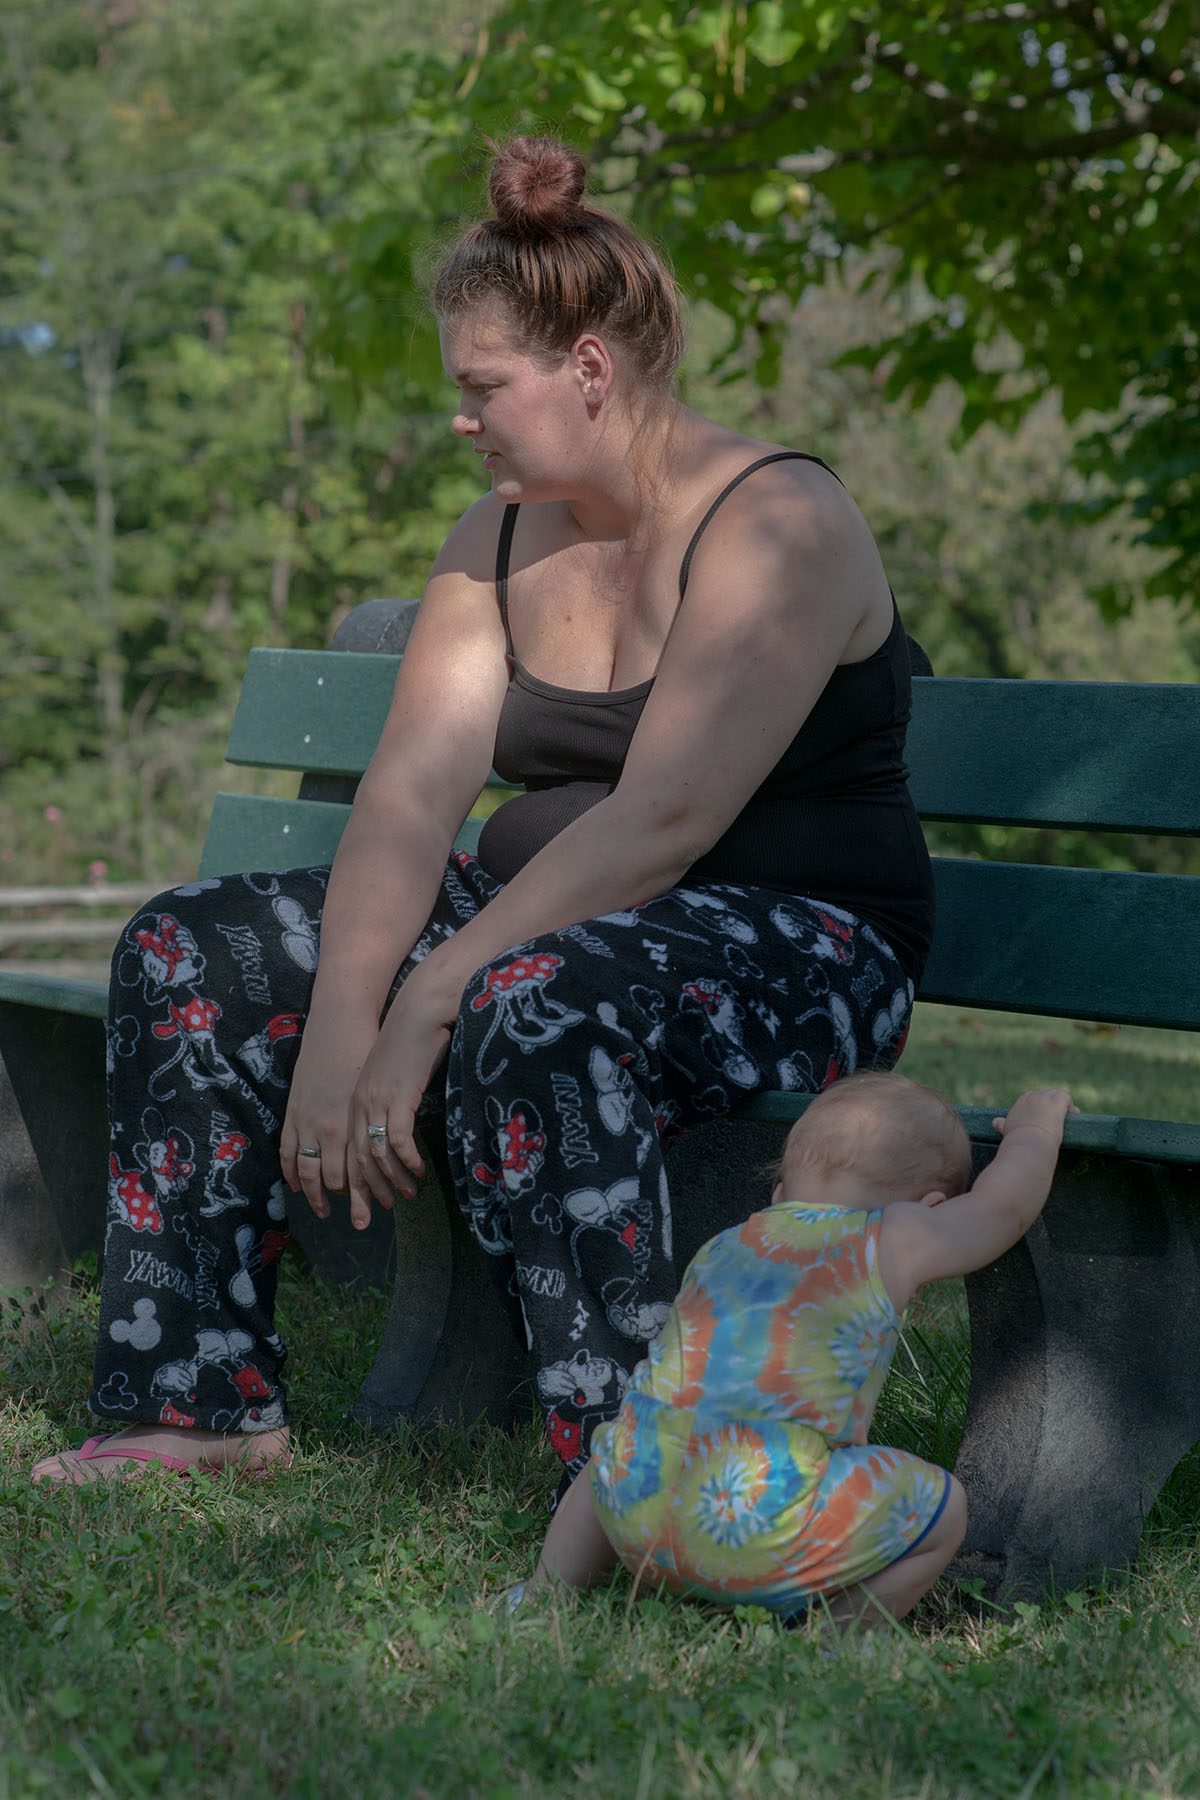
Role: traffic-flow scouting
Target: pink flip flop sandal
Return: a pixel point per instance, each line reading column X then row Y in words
column 93, row 1451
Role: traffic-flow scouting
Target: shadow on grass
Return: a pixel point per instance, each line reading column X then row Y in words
column 45, row 1365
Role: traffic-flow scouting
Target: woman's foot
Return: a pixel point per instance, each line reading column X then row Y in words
column 100, row 1459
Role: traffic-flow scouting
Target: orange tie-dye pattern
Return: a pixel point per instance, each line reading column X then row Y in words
column 697, row 1326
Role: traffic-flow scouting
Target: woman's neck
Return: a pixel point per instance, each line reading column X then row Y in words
column 629, row 483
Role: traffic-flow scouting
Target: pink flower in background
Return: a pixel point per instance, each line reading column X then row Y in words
column 52, row 815
column 97, row 871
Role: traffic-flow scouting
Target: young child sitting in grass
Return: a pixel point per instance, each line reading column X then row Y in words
column 738, row 1468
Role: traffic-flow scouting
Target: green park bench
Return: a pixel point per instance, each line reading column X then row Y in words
column 1085, row 1361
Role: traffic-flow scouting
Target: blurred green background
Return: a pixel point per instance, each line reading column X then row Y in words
column 948, row 253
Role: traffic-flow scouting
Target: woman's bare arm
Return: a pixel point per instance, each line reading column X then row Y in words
column 432, row 759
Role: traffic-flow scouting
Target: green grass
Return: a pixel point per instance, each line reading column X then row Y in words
column 333, row 1629
column 986, row 1058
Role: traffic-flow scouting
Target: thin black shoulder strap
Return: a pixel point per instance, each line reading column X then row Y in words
column 775, row 456
column 503, row 550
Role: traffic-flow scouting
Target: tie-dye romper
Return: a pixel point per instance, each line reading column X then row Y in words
column 730, row 1472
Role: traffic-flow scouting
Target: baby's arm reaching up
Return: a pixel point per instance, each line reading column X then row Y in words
column 938, row 1237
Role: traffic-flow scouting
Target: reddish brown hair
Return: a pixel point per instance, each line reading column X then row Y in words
column 560, row 266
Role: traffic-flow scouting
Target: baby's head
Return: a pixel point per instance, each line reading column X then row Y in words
column 892, row 1138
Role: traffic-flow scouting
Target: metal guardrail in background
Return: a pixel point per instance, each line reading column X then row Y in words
column 95, row 893
column 64, row 925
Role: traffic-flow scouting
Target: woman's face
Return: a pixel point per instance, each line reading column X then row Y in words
column 526, row 420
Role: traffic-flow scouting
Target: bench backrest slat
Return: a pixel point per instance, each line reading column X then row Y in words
column 1078, row 943
column 311, row 710
column 250, row 831
column 1074, row 943
column 1086, row 753
column 1110, row 755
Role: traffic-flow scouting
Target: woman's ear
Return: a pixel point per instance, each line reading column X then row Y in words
column 594, row 366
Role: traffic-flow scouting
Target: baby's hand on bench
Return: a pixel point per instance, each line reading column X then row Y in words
column 972, row 1230
column 1042, row 1109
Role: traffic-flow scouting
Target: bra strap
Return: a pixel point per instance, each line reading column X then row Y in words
column 503, row 550
column 775, row 456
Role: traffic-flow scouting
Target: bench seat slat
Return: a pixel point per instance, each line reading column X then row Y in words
column 55, row 993
column 1160, row 1140
column 1157, row 1139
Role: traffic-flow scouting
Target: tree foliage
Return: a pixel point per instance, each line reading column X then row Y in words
column 1025, row 172
column 174, row 483
column 224, row 416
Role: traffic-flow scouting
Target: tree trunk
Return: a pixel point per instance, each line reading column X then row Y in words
column 289, row 499
column 98, row 364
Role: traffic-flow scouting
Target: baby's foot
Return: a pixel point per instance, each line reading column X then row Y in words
column 100, row 1458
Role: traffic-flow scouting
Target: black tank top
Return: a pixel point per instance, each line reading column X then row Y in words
column 833, row 820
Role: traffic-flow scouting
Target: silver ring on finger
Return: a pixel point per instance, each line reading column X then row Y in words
column 378, row 1133
column 305, row 1150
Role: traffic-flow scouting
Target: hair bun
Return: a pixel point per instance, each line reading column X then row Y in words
column 536, row 186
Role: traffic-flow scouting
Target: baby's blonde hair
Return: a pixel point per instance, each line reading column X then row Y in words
column 895, row 1133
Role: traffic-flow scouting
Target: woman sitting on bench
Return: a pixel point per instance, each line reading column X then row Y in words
column 682, row 642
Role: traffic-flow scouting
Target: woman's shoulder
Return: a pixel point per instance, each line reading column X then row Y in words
column 471, row 544
column 749, row 474
column 750, row 495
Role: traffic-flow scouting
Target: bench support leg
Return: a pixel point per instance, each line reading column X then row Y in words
column 450, row 1351
column 31, row 1245
column 52, row 1164
column 1085, row 1375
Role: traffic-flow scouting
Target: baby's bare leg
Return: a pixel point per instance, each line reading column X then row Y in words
column 576, row 1550
column 896, row 1589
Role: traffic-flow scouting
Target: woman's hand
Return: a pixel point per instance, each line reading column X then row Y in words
column 332, row 1051
column 383, row 1158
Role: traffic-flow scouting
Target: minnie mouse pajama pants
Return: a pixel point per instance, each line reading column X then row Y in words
column 576, row 1058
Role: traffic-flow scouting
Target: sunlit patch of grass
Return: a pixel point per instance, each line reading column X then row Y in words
column 987, row 1058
